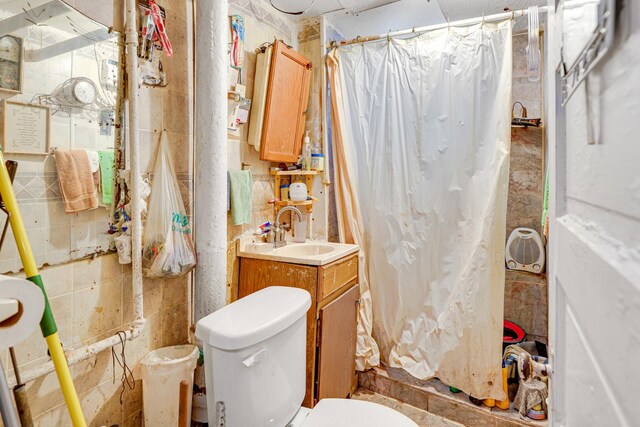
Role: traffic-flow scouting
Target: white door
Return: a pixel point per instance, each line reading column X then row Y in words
column 595, row 235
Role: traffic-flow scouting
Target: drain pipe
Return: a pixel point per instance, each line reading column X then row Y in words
column 135, row 178
column 85, row 352
column 212, row 28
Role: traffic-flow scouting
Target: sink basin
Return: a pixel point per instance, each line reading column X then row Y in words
column 310, row 253
column 305, row 250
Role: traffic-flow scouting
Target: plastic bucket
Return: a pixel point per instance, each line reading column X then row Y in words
column 162, row 371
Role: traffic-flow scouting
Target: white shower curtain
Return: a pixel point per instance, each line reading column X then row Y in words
column 421, row 134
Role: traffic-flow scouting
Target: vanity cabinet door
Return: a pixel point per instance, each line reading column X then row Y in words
column 286, row 105
column 337, row 345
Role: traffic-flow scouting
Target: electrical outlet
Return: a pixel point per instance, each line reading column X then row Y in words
column 106, row 122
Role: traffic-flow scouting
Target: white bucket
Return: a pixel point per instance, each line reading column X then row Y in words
column 162, row 371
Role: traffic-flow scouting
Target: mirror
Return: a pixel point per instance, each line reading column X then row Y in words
column 59, row 85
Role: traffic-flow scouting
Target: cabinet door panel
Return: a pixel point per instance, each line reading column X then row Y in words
column 286, row 105
column 337, row 345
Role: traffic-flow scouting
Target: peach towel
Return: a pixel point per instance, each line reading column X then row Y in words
column 76, row 180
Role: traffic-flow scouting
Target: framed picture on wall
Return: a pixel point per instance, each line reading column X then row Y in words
column 11, row 61
column 25, row 128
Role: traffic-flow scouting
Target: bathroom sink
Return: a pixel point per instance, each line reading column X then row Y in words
column 310, row 253
column 305, row 250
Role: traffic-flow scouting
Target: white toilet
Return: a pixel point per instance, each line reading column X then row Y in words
column 254, row 352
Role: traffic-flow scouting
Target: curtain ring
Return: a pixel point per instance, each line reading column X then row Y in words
column 389, row 35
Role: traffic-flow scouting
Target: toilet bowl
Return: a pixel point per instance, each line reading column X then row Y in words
column 255, row 364
column 349, row 413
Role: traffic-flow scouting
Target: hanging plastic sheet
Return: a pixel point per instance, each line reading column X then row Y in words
column 421, row 131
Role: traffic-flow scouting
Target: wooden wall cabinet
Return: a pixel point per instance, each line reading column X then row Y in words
column 331, row 320
column 286, row 105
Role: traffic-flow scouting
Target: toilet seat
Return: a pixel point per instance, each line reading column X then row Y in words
column 354, row 413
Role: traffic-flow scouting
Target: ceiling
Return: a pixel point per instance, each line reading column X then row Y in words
column 368, row 17
column 454, row 10
column 393, row 16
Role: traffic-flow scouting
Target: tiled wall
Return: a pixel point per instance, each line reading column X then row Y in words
column 92, row 299
column 525, row 298
column 309, row 44
column 333, row 235
column 528, row 93
column 262, row 24
column 50, row 230
column 526, row 303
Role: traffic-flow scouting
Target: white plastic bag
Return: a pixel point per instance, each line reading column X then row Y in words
column 167, row 247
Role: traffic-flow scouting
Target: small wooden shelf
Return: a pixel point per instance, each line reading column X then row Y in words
column 292, row 176
column 280, row 203
column 294, row 172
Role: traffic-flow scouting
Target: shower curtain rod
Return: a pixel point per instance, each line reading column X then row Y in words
column 461, row 23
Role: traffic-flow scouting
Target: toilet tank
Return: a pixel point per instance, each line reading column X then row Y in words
column 255, row 358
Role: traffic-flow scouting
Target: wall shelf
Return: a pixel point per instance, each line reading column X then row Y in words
column 296, row 172
column 291, row 176
column 281, row 203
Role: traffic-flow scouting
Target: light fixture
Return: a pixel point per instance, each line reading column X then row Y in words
column 293, row 13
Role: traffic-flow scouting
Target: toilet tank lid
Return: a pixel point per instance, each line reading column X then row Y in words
column 254, row 318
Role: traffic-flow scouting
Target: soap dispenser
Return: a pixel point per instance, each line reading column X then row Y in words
column 306, row 152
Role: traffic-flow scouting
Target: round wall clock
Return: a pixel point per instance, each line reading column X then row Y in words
column 84, row 91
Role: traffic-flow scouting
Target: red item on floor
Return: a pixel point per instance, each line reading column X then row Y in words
column 513, row 334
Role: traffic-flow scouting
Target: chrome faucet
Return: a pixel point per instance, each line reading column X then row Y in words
column 279, row 232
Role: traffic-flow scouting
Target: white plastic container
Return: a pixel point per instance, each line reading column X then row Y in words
column 162, row 371
column 300, row 230
column 298, row 191
column 255, row 357
column 317, row 162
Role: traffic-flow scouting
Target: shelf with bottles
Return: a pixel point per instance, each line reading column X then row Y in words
column 281, row 177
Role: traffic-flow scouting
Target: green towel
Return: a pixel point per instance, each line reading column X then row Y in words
column 545, row 203
column 241, row 185
column 107, row 161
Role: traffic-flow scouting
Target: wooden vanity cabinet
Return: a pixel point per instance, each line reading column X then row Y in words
column 331, row 319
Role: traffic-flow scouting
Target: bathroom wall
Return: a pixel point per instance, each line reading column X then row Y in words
column 527, row 92
column 92, row 298
column 53, row 238
column 263, row 24
column 310, row 45
column 331, row 33
column 525, row 299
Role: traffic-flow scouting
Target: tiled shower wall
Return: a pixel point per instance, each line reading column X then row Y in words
column 525, row 297
column 92, row 298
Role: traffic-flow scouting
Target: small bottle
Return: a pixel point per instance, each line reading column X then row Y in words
column 504, row 404
column 306, row 152
column 284, row 192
